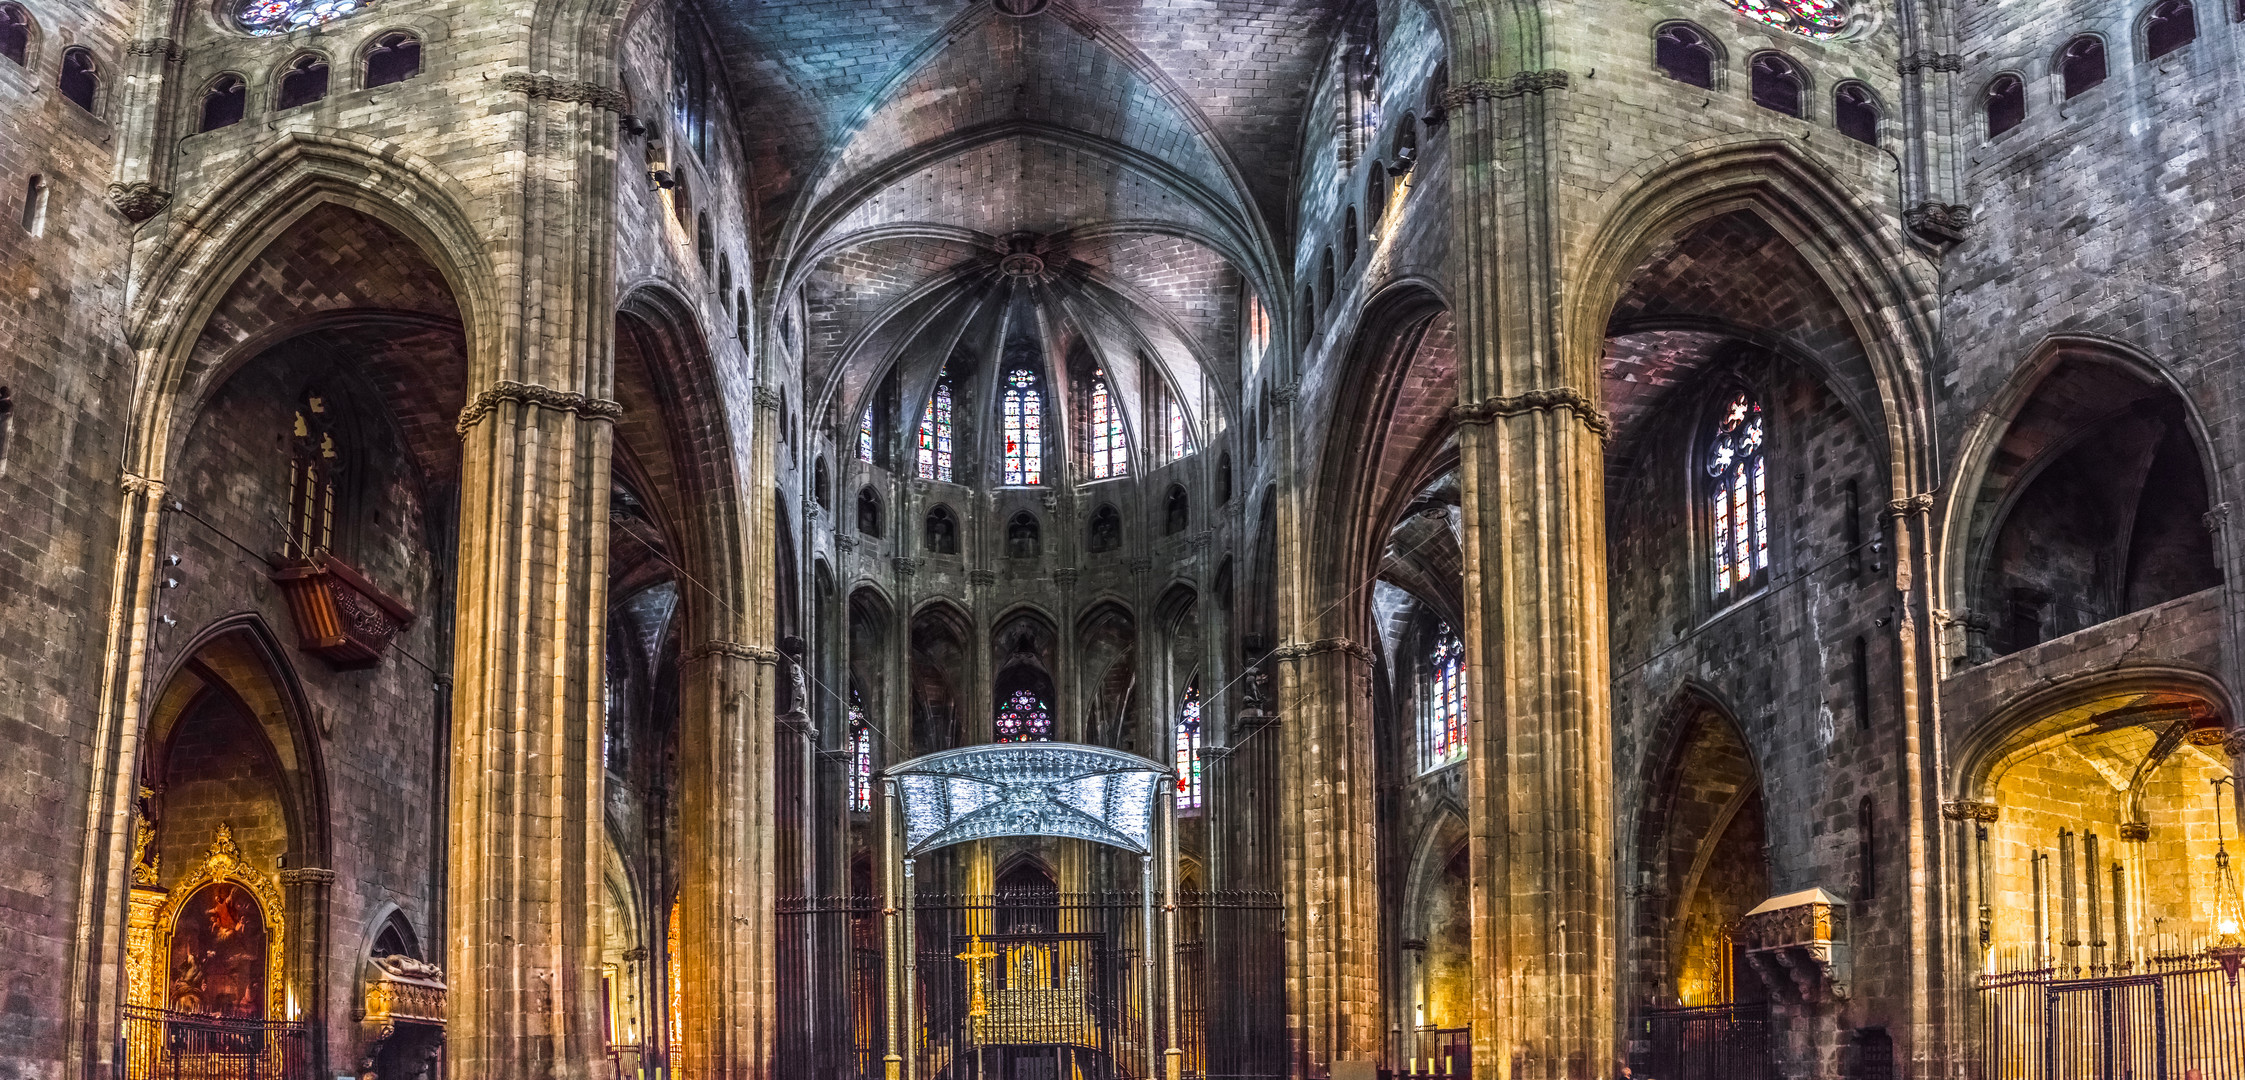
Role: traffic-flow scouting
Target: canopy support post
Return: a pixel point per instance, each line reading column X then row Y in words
column 1166, row 819
column 892, row 1065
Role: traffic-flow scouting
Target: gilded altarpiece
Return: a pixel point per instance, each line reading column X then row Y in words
column 212, row 944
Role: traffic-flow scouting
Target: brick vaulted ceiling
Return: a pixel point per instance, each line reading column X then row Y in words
column 1143, row 148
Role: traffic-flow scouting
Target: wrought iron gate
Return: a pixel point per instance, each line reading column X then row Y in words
column 1714, row 1042
column 2183, row 1021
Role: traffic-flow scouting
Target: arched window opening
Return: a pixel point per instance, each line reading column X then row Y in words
column 264, row 17
column 1442, row 724
column 1110, row 450
column 303, row 82
column 1375, row 196
column 689, row 86
column 1176, row 510
column 1309, row 307
column 868, row 512
column 1856, row 113
column 316, row 462
column 80, row 80
column 35, row 205
column 725, row 281
column 1325, row 277
column 1105, row 533
column 1024, row 717
column 1777, row 84
column 1348, row 238
column 1024, row 416
column 1224, row 479
column 705, row 240
column 1738, row 497
column 822, row 484
column 740, row 316
column 1406, row 146
column 865, row 435
column 2082, row 64
column 932, row 446
column 393, row 59
column 1177, row 433
column 1023, row 536
column 1188, row 751
column 682, row 200
column 1866, row 852
column 2169, row 27
column 2006, row 104
column 15, row 34
column 1258, row 332
column 1684, row 55
column 861, row 756
column 1808, row 18
column 224, row 102
column 943, row 531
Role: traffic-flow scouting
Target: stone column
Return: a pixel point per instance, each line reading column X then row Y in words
column 305, row 889
column 1328, row 826
column 726, row 889
column 1540, row 763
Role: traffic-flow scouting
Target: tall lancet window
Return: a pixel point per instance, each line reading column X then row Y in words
column 1173, row 425
column 861, row 756
column 935, row 432
column 1737, row 498
column 1110, row 451
column 865, row 435
column 1024, row 717
column 1024, row 417
column 1443, row 723
column 1188, row 750
column 316, row 459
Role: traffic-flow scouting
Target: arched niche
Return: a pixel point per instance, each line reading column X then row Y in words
column 1701, row 835
column 1437, row 931
column 1107, row 659
column 942, row 643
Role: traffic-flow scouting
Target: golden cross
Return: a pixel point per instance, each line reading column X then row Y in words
column 976, row 955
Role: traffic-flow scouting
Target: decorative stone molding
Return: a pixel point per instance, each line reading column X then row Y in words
column 308, row 875
column 157, row 46
column 766, row 398
column 1938, row 223
column 1798, row 942
column 135, row 484
column 845, row 541
column 2138, row 831
column 548, row 88
column 1554, row 399
column 1067, row 576
column 1022, row 264
column 735, row 650
column 1917, row 505
column 1286, row 394
column 982, row 577
column 2207, row 731
column 139, row 200
column 2216, row 517
column 2235, row 744
column 1141, row 565
column 1969, row 810
column 1929, row 61
column 544, row 397
column 905, row 566
column 1525, row 82
column 1295, row 650
column 1021, row 9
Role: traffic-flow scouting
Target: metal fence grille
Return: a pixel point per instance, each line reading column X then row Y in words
column 2184, row 1020
column 1714, row 1042
column 165, row 1045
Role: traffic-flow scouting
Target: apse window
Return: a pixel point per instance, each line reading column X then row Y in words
column 393, row 59
column 1188, row 751
column 2006, row 104
column 2169, row 27
column 1110, row 450
column 80, row 80
column 2082, row 65
column 861, row 756
column 15, row 34
column 1685, row 55
column 303, row 82
column 1808, row 18
column 1442, row 715
column 262, row 17
column 933, row 452
column 1024, row 420
column 1777, row 84
column 1024, row 717
column 1737, row 498
column 224, row 102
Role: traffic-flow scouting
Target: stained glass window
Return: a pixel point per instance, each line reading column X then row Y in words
column 1173, row 424
column 1738, row 497
column 1445, row 716
column 1024, row 718
column 1110, row 452
column 1188, row 750
column 313, row 465
column 935, row 433
column 865, row 435
column 262, row 17
column 1809, row 18
column 861, row 756
column 1024, row 428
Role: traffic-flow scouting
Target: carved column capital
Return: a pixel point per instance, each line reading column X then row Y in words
column 139, row 200
column 308, row 875
column 2235, row 744
column 1525, row 82
column 1969, row 810
column 548, row 88
column 905, row 566
column 135, row 484
column 1557, row 398
column 1938, row 223
column 736, row 650
column 1927, row 60
column 767, row 398
column 1917, row 505
column 1295, row 650
column 544, row 397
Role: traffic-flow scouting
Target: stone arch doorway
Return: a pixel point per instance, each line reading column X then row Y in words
column 1700, row 859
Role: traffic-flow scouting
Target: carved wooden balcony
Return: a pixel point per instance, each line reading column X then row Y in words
column 341, row 617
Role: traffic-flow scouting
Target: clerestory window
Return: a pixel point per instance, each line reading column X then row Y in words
column 1737, row 498
column 933, row 443
column 1024, row 424
column 1103, row 434
column 1188, row 750
column 1442, row 724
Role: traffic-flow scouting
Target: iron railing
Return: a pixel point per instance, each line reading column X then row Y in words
column 165, row 1045
column 2183, row 1018
column 1712, row 1042
column 1445, row 1052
